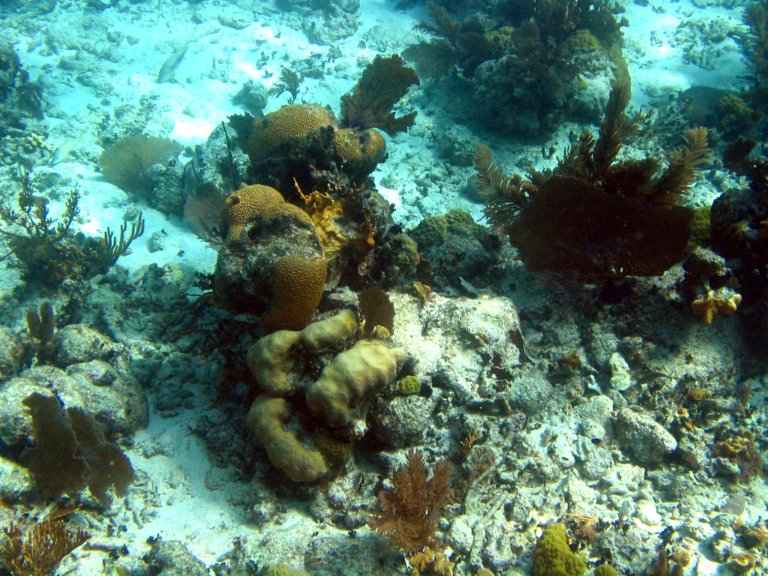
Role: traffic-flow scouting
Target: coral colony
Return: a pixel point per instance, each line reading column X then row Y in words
column 392, row 287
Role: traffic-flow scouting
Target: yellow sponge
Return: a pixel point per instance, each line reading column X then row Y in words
column 351, row 376
column 301, row 462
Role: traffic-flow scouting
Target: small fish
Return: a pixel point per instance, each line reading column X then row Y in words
column 61, row 153
column 168, row 69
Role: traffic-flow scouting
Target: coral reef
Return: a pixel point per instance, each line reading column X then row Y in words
column 527, row 66
column 272, row 263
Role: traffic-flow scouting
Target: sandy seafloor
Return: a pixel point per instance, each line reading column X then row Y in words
column 91, row 62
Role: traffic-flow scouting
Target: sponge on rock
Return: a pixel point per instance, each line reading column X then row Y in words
column 351, row 376
column 267, row 420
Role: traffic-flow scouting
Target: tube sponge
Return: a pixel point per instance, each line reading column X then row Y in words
column 351, row 376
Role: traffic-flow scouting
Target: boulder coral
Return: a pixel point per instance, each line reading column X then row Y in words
column 243, row 205
column 288, row 124
column 297, row 140
column 272, row 263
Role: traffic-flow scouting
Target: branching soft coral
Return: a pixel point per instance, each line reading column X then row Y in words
column 592, row 217
column 410, row 511
column 383, row 83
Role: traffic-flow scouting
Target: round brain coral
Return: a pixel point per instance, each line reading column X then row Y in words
column 292, row 122
column 298, row 287
column 245, row 204
column 359, row 150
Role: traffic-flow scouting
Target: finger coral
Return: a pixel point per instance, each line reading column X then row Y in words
column 280, row 417
column 286, row 449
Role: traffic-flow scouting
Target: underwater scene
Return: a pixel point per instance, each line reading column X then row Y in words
column 383, row 287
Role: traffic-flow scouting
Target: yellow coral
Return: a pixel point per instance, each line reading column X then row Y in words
column 286, row 450
column 553, row 556
column 351, row 376
column 359, row 150
column 292, row 122
column 272, row 359
column 245, row 204
column 713, row 305
column 298, row 287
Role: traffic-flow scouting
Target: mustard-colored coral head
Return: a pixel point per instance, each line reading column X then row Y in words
column 290, row 210
column 246, row 204
column 553, row 556
column 359, row 151
column 292, row 122
column 298, row 287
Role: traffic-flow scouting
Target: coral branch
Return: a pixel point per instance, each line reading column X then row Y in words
column 39, row 551
column 410, row 511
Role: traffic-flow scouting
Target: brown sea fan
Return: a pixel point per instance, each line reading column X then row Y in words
column 411, row 510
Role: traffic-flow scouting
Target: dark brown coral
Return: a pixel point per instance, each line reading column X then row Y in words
column 573, row 226
column 71, row 452
column 599, row 220
column 383, row 83
column 411, row 510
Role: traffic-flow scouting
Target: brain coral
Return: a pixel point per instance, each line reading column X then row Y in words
column 245, row 204
column 359, row 150
column 293, row 122
column 272, row 263
column 298, row 287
